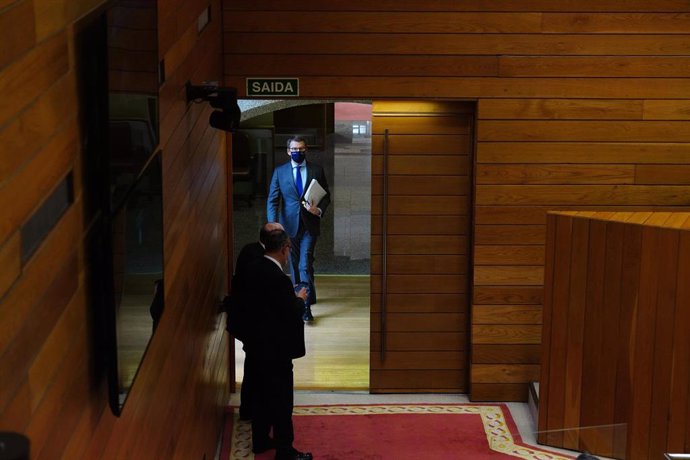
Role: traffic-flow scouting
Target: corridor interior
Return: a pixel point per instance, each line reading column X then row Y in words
column 337, row 341
column 335, row 369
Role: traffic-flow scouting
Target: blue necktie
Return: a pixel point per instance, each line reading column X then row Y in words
column 298, row 180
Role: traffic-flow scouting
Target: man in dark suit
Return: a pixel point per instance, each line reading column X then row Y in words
column 238, row 305
column 276, row 338
column 302, row 220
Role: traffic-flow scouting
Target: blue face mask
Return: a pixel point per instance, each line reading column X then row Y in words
column 297, row 157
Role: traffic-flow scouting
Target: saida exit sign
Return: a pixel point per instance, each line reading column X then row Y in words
column 262, row 87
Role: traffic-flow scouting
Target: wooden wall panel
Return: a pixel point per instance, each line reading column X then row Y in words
column 584, row 108
column 452, row 5
column 594, row 66
column 444, row 43
column 53, row 386
column 17, row 24
column 425, row 272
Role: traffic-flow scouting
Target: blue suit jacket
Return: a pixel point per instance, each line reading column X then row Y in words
column 284, row 204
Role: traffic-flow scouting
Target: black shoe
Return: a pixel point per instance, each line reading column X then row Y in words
column 307, row 317
column 293, row 454
column 260, row 448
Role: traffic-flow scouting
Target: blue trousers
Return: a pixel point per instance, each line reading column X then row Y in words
column 302, row 260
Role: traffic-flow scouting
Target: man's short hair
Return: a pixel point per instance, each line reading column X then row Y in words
column 275, row 240
column 266, row 229
column 263, row 233
column 296, row 139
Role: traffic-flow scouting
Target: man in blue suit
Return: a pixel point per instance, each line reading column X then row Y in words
column 301, row 220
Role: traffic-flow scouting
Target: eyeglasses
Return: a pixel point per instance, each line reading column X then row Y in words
column 298, row 150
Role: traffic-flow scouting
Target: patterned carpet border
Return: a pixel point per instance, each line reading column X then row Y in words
column 496, row 426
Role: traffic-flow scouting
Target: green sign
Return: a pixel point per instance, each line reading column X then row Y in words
column 262, row 87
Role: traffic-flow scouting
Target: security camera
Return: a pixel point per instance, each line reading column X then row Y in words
column 226, row 121
column 225, row 99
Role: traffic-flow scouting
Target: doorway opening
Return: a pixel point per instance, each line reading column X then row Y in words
column 338, row 135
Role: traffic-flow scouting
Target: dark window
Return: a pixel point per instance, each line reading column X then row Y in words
column 35, row 230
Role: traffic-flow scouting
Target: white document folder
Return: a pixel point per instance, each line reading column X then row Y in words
column 314, row 193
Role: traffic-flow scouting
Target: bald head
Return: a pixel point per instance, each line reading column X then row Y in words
column 266, row 230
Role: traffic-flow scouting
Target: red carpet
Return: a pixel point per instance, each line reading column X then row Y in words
column 396, row 432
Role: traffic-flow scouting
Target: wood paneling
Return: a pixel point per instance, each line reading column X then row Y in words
column 53, row 386
column 17, row 24
column 616, row 296
column 445, row 43
column 627, row 23
column 569, row 108
column 506, row 314
column 451, row 5
column 384, row 22
column 551, row 109
column 508, row 255
column 584, row 152
column 509, row 234
column 23, row 137
column 10, row 261
column 30, row 75
column 667, row 110
column 558, row 195
column 420, row 259
column 513, row 353
column 526, row 174
column 274, row 65
column 392, row 86
column 594, row 66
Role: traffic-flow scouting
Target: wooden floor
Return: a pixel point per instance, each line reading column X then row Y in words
column 338, row 339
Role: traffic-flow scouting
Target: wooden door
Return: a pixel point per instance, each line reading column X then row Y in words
column 421, row 190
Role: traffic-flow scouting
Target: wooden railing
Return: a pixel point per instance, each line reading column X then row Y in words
column 615, row 377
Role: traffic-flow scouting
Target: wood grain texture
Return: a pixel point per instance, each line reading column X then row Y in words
column 509, row 234
column 384, row 22
column 326, row 64
column 17, row 24
column 553, row 130
column 504, row 373
column 499, row 392
column 567, row 109
column 47, row 332
column 23, row 137
column 450, row 5
column 555, row 195
column 593, row 66
column 26, row 189
column 508, row 255
column 447, row 43
column 584, row 152
column 423, row 144
column 424, row 284
column 598, row 131
column 594, row 23
column 526, row 174
column 391, row 86
column 506, row 314
column 617, row 299
column 31, row 74
column 513, row 353
column 10, row 260
column 666, row 110
column 506, row 333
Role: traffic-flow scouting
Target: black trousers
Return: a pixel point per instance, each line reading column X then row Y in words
column 272, row 403
column 248, row 386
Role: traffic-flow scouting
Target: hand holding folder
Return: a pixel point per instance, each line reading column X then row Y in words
column 314, row 193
